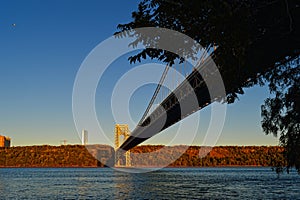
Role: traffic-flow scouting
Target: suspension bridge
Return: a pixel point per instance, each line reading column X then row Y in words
column 193, row 86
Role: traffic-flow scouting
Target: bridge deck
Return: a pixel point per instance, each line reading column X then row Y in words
column 190, row 96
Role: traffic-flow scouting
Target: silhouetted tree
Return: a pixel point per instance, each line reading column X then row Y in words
column 281, row 113
column 258, row 43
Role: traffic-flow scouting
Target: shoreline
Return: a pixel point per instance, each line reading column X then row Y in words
column 141, row 167
column 102, row 156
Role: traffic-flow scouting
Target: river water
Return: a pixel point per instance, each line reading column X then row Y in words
column 168, row 183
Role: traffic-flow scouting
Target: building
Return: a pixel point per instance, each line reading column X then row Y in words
column 4, row 141
column 84, row 138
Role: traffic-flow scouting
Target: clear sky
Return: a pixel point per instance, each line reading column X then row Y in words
column 43, row 44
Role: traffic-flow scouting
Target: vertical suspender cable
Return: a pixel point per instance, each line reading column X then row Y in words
column 155, row 94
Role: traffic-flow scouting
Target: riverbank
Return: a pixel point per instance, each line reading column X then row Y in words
column 77, row 156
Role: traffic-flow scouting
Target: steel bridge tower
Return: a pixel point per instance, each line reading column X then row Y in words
column 121, row 130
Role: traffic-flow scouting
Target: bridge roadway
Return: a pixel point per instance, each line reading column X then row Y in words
column 190, row 96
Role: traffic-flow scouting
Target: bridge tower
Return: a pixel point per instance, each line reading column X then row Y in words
column 121, row 130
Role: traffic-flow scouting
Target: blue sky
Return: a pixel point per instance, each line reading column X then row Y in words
column 39, row 59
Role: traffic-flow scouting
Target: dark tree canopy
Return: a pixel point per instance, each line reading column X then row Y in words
column 257, row 40
column 281, row 113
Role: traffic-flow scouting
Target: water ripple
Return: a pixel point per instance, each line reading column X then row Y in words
column 169, row 183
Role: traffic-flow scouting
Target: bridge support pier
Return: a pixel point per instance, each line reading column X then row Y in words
column 121, row 130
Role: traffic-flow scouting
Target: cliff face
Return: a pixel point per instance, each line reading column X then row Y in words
column 194, row 156
column 55, row 156
column 104, row 154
